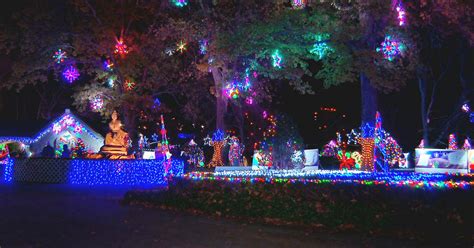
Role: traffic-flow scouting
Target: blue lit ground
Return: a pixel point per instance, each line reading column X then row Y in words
column 65, row 216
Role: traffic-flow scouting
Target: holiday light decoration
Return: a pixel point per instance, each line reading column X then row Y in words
column 298, row 4
column 391, row 48
column 59, row 56
column 181, row 46
column 271, row 129
column 297, row 158
column 121, row 48
column 129, row 85
column 71, row 74
column 249, row 100
column 126, row 172
column 97, row 103
column 165, row 148
column 108, row 65
column 235, row 151
column 368, row 149
column 218, row 142
column 111, row 82
column 194, row 154
column 179, row 3
column 203, row 46
column 8, row 170
column 453, row 144
column 277, row 59
column 232, row 91
column 156, row 103
column 422, row 144
column 465, row 108
column 357, row 159
column 401, row 14
column 169, row 51
column 391, row 179
column 320, row 47
column 466, row 145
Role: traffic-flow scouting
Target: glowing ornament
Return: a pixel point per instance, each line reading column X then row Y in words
column 121, row 48
column 108, row 65
column 71, row 74
column 59, row 56
column 467, row 145
column 465, row 108
column 401, row 15
column 181, row 46
column 453, row 144
column 391, row 48
column 298, row 4
column 249, row 100
column 179, row 3
column 111, row 82
column 277, row 59
column 320, row 47
column 169, row 51
column 203, row 44
column 232, row 91
column 97, row 103
column 129, row 85
column 156, row 103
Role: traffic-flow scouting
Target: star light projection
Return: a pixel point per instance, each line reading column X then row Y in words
column 391, row 48
column 129, row 85
column 59, row 56
column 71, row 74
column 181, row 46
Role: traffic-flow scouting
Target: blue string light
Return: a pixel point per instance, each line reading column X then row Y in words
column 122, row 172
column 8, row 173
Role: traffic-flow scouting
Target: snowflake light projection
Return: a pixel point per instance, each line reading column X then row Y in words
column 169, row 51
column 97, row 103
column 108, row 65
column 71, row 74
column 156, row 103
column 179, row 3
column 277, row 59
column 391, row 48
column 320, row 47
column 181, row 46
column 59, row 56
column 401, row 14
column 121, row 48
column 298, row 4
column 129, row 85
column 203, row 45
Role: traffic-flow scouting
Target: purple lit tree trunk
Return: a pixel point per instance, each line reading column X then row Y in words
column 369, row 100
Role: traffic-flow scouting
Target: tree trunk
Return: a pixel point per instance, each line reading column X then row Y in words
column 369, row 100
column 424, row 111
column 221, row 99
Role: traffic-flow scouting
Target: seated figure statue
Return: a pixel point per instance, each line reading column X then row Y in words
column 116, row 141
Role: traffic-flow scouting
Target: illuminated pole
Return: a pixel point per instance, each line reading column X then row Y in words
column 165, row 146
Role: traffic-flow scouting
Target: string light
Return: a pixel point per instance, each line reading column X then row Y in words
column 465, row 108
column 277, row 59
column 108, row 65
column 466, row 145
column 71, row 74
column 401, row 14
column 391, row 48
column 453, row 144
column 392, row 179
column 59, row 56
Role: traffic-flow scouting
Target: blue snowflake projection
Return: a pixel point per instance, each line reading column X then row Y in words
column 71, row 74
column 321, row 47
column 155, row 137
column 203, row 45
column 391, row 48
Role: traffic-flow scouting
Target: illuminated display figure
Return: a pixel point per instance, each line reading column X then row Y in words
column 218, row 142
column 235, row 152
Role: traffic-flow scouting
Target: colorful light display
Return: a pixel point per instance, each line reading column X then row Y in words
column 401, row 14
column 466, row 145
column 203, row 46
column 277, row 59
column 129, row 85
column 97, row 103
column 59, row 56
column 218, row 142
column 298, row 4
column 121, row 48
column 181, row 46
column 320, row 47
column 124, row 172
column 179, row 3
column 465, row 108
column 453, row 144
column 391, row 48
column 8, row 172
column 71, row 74
column 392, row 179
column 108, row 65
